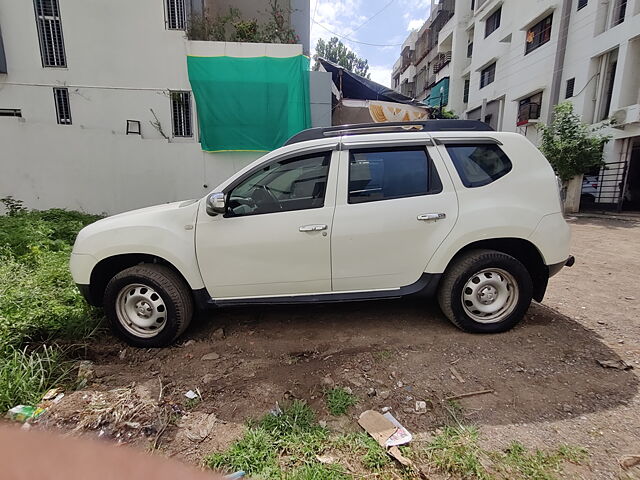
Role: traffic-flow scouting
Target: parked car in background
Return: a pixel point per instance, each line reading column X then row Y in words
column 446, row 208
column 589, row 188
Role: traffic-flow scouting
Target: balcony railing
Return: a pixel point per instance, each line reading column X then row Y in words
column 441, row 61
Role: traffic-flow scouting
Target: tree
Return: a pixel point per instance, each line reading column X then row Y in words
column 335, row 51
column 570, row 145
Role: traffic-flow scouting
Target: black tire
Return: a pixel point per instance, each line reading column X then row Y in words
column 176, row 300
column 463, row 270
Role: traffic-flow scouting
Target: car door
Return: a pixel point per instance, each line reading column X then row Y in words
column 275, row 237
column 395, row 205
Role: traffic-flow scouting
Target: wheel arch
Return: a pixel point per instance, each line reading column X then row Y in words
column 109, row 267
column 524, row 251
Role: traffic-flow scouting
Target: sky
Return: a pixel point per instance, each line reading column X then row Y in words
column 385, row 23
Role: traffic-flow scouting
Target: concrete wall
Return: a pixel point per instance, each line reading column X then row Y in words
column 121, row 64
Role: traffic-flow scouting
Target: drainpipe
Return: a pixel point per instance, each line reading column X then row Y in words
column 558, row 65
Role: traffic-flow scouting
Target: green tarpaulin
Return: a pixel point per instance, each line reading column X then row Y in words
column 249, row 104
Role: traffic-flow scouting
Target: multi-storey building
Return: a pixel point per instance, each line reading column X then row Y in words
column 511, row 62
column 96, row 107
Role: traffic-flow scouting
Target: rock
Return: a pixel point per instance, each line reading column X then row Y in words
column 629, row 298
column 600, row 322
column 399, row 384
column 371, row 392
column 348, row 390
column 421, row 406
column 85, row 371
column 384, row 394
column 210, row 356
column 328, row 381
column 385, row 409
column 208, row 378
column 218, row 334
column 322, row 423
column 188, row 343
column 355, row 381
column 567, row 408
column 366, row 367
column 123, row 353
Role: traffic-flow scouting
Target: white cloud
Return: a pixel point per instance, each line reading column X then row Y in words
column 380, row 74
column 415, row 24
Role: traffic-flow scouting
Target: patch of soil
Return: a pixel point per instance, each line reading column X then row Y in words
column 547, row 386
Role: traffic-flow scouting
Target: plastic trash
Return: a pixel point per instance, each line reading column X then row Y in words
column 236, row 475
column 22, row 413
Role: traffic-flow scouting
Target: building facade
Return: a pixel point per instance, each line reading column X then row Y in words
column 96, row 109
column 511, row 62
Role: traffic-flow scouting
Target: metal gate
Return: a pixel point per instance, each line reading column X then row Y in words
column 610, row 188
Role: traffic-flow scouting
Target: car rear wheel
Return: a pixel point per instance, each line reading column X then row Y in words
column 148, row 305
column 485, row 291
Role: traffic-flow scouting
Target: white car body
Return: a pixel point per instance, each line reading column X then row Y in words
column 367, row 250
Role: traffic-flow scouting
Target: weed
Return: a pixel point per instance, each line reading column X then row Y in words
column 192, row 403
column 318, row 471
column 456, row 451
column 293, row 436
column 25, row 376
column 382, row 355
column 339, row 400
column 537, row 465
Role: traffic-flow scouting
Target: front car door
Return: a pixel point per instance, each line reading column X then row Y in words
column 275, row 238
column 395, row 205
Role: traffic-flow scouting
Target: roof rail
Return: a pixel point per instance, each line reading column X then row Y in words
column 388, row 127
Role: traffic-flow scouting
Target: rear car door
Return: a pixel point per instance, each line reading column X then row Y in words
column 395, row 205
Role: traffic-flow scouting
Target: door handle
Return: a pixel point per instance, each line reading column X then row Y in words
column 431, row 216
column 312, row 228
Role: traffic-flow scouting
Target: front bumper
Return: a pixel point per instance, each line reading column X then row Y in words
column 556, row 267
column 85, row 291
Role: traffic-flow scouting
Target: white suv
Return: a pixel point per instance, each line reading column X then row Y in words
column 448, row 208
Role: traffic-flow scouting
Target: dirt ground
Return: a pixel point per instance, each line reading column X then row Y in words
column 548, row 386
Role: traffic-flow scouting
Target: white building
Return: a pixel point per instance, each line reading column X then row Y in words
column 512, row 61
column 96, row 111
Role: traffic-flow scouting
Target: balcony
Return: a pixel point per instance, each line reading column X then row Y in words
column 441, row 61
column 528, row 112
column 408, row 89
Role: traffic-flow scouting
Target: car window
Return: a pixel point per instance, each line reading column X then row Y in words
column 479, row 165
column 383, row 174
column 292, row 184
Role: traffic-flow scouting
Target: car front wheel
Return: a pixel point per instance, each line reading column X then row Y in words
column 148, row 305
column 485, row 291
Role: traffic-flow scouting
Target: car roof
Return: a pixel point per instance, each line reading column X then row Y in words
column 390, row 127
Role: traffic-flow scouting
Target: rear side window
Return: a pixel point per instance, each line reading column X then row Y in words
column 383, row 174
column 479, row 165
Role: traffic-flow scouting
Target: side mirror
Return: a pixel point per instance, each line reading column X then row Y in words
column 216, row 204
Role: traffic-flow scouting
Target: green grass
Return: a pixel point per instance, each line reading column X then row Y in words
column 538, row 465
column 338, row 401
column 26, row 376
column 279, row 446
column 456, row 451
column 39, row 302
column 286, row 447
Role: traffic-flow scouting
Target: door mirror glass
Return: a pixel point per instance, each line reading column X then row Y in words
column 216, row 204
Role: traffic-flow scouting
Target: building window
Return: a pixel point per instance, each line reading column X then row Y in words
column 538, row 35
column 571, row 83
column 10, row 112
column 465, row 91
column 176, row 18
column 50, row 33
column 582, row 4
column 529, row 109
column 181, row 114
column 492, row 23
column 619, row 11
column 488, row 75
column 469, row 49
column 63, row 109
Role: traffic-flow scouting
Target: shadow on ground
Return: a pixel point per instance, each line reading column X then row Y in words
column 544, row 369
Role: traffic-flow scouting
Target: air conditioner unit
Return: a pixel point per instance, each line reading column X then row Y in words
column 630, row 114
